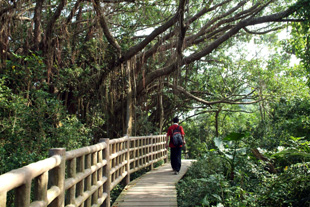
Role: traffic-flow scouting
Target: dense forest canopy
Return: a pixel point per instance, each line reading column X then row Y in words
column 114, row 67
column 122, row 59
column 74, row 71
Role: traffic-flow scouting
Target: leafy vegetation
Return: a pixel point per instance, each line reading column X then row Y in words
column 209, row 182
column 300, row 42
column 74, row 71
column 259, row 158
column 30, row 127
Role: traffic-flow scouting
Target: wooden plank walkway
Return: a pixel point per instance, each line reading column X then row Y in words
column 155, row 188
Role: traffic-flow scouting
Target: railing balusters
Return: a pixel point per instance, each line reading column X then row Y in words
column 40, row 189
column 70, row 196
column 22, row 193
column 88, row 179
column 91, row 173
column 3, row 199
column 80, row 169
column 127, row 179
column 94, row 178
column 106, row 172
column 57, row 177
column 100, row 174
column 151, row 152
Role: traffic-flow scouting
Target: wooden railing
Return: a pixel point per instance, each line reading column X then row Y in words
column 82, row 177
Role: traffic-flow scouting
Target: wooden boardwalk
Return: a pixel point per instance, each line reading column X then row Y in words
column 155, row 188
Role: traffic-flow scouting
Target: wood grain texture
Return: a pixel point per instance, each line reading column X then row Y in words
column 155, row 188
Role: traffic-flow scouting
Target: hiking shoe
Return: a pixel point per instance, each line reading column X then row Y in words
column 176, row 172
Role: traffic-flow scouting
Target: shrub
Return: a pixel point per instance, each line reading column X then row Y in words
column 31, row 126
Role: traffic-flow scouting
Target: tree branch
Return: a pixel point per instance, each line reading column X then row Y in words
column 214, row 111
column 4, row 10
column 203, row 33
column 73, row 11
column 264, row 32
column 51, row 23
column 212, row 46
column 105, row 27
column 247, row 22
column 135, row 49
column 37, row 24
column 118, row 1
column 188, row 94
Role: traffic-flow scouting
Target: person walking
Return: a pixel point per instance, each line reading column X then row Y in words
column 175, row 151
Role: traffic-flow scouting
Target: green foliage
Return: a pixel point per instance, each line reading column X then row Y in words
column 117, row 190
column 230, row 176
column 296, row 150
column 292, row 117
column 196, row 136
column 143, row 125
column 192, row 189
column 301, row 32
column 289, row 118
column 290, row 188
column 32, row 126
column 234, row 136
column 21, row 71
column 86, row 89
column 233, row 154
column 205, row 184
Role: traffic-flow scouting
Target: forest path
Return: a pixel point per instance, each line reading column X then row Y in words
column 155, row 188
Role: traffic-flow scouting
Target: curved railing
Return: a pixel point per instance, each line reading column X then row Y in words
column 82, row 177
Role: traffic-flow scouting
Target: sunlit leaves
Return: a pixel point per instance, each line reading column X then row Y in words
column 301, row 32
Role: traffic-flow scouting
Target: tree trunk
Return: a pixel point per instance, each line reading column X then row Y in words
column 129, row 115
column 217, row 113
column 270, row 167
column 37, row 24
column 161, row 108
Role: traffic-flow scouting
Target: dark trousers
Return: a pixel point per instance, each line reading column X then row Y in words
column 175, row 157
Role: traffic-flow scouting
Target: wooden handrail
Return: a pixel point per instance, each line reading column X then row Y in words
column 82, row 176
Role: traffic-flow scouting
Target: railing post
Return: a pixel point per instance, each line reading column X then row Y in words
column 106, row 172
column 40, row 189
column 88, row 179
column 3, row 199
column 100, row 190
column 22, row 195
column 134, row 154
column 152, row 155
column 166, row 151
column 57, row 176
column 127, row 179
column 80, row 169
column 94, row 177
column 3, row 196
column 70, row 196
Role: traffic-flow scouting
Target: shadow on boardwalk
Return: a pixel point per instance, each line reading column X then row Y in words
column 155, row 188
